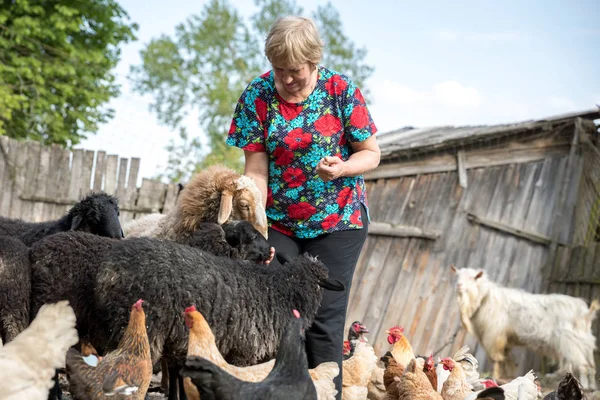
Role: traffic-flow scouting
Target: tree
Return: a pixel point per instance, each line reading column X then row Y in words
column 204, row 68
column 56, row 59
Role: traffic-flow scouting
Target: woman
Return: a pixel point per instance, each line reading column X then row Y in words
column 307, row 138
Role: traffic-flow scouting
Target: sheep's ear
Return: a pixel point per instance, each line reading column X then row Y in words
column 283, row 258
column 453, row 268
column 225, row 207
column 76, row 222
column 479, row 275
column 332, row 284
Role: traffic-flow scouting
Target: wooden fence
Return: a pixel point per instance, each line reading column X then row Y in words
column 39, row 183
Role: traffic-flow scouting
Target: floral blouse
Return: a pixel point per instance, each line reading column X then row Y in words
column 296, row 136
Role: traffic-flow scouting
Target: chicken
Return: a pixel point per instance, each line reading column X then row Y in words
column 520, row 388
column 393, row 369
column 456, row 386
column 493, row 393
column 202, row 343
column 401, row 349
column 126, row 371
column 376, row 387
column 28, row 362
column 414, row 384
column 357, row 371
column 568, row 388
column 429, row 369
column 469, row 365
column 356, row 332
column 289, row 379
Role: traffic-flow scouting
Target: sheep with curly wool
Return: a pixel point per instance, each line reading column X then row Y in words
column 15, row 287
column 556, row 325
column 98, row 213
column 247, row 308
column 216, row 194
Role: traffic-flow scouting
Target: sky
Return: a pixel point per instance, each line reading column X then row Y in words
column 436, row 63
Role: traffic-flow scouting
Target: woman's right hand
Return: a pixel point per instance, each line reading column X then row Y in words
column 271, row 257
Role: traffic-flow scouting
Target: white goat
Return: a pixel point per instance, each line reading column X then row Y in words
column 216, row 194
column 559, row 326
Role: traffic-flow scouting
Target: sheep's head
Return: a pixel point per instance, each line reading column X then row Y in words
column 245, row 203
column 99, row 214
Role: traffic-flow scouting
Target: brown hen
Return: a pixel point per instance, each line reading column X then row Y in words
column 124, row 373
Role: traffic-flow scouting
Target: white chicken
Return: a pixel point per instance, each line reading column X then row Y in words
column 520, row 388
column 29, row 361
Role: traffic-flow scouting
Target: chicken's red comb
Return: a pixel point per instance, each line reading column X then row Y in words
column 138, row 304
column 397, row 327
column 190, row 309
column 430, row 358
column 296, row 313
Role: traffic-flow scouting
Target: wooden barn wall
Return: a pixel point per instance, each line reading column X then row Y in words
column 408, row 282
column 41, row 183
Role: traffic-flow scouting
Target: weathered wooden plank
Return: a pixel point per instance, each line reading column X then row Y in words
column 76, row 175
column 396, row 230
column 34, row 151
column 462, row 169
column 86, row 173
column 122, row 178
column 99, row 171
column 110, row 179
column 20, row 163
column 521, row 233
column 151, row 196
column 170, row 197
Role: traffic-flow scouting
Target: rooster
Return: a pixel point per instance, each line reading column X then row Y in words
column 202, row 343
column 568, row 388
column 414, row 384
column 401, row 348
column 28, row 362
column 126, row 371
column 289, row 379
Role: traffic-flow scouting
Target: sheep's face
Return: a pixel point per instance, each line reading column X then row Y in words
column 248, row 205
column 468, row 280
column 97, row 214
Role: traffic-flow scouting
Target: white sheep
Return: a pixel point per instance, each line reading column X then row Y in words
column 556, row 325
column 216, row 194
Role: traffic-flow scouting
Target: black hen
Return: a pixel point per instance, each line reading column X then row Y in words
column 493, row 393
column 568, row 389
column 289, row 378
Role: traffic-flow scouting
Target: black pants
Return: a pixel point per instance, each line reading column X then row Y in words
column 339, row 251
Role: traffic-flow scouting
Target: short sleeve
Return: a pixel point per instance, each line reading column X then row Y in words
column 247, row 125
column 358, row 123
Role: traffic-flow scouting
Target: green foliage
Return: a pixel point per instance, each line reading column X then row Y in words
column 205, row 67
column 56, row 59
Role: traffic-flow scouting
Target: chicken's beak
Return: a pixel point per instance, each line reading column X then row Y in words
column 387, row 332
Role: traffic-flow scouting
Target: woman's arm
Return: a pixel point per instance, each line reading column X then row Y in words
column 257, row 168
column 365, row 157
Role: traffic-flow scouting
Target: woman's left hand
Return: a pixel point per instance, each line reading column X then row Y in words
column 330, row 168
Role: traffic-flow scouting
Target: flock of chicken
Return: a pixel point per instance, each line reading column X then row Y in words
column 28, row 364
column 406, row 376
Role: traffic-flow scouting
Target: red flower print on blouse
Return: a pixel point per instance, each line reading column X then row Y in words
column 327, row 125
column 335, row 85
column 343, row 140
column 255, row 147
column 302, row 211
column 232, row 128
column 298, row 139
column 269, row 197
column 344, row 197
column 294, row 177
column 355, row 218
column 280, row 228
column 360, row 117
column 289, row 111
column 358, row 190
column 331, row 221
column 283, row 156
column 358, row 96
column 261, row 109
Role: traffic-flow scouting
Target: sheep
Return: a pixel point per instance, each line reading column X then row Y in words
column 559, row 326
column 247, row 308
column 15, row 287
column 98, row 213
column 216, row 194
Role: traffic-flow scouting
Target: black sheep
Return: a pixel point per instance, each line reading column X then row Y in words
column 247, row 308
column 98, row 213
column 15, row 287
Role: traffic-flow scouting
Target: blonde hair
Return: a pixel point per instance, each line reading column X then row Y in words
column 294, row 40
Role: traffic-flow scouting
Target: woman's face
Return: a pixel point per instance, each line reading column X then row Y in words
column 293, row 78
